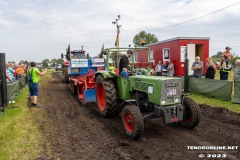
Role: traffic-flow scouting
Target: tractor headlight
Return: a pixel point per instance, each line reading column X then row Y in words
column 176, row 99
column 163, row 101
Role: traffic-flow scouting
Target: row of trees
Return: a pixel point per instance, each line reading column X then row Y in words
column 218, row 55
column 52, row 62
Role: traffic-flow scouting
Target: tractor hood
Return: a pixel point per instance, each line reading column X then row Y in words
column 160, row 90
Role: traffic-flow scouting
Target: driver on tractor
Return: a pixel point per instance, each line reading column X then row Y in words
column 124, row 67
column 123, row 64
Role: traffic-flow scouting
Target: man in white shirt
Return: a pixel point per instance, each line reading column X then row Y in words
column 158, row 69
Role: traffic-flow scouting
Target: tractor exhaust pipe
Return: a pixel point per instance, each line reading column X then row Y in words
column 3, row 82
column 186, row 75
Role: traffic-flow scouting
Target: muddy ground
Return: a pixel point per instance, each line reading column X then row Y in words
column 79, row 132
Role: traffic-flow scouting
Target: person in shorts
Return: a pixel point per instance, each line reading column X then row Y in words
column 33, row 79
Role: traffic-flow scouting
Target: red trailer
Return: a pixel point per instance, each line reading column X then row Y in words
column 177, row 49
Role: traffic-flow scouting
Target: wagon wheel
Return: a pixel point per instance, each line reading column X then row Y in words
column 73, row 88
column 132, row 121
column 192, row 114
column 106, row 96
column 80, row 93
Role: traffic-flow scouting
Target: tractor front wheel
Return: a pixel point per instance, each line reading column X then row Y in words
column 106, row 96
column 192, row 114
column 132, row 121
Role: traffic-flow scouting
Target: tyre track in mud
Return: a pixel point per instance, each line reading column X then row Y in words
column 79, row 132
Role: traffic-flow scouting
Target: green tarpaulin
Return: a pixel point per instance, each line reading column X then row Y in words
column 211, row 87
column 236, row 98
column 13, row 88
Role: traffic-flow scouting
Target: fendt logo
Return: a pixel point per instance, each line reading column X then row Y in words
column 171, row 85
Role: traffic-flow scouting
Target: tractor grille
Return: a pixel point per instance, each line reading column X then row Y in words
column 170, row 89
column 141, row 86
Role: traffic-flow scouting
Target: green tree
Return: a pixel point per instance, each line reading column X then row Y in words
column 144, row 36
column 45, row 63
column 217, row 55
column 59, row 61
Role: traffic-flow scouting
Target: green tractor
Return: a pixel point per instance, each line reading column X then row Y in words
column 142, row 97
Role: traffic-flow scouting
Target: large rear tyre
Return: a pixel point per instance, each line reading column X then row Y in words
column 132, row 121
column 192, row 114
column 106, row 96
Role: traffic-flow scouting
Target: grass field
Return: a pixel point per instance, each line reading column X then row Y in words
column 20, row 133
column 201, row 99
column 19, row 136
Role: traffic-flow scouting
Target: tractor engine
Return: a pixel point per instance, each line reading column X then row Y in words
column 142, row 99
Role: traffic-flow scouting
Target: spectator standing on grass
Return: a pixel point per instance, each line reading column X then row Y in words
column 11, row 71
column 225, row 68
column 164, row 68
column 211, row 69
column 20, row 70
column 158, row 69
column 33, row 79
column 237, row 71
column 236, row 79
column 197, row 68
column 170, row 69
column 8, row 77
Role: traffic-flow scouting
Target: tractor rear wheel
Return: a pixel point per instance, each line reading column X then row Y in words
column 106, row 96
column 132, row 121
column 192, row 114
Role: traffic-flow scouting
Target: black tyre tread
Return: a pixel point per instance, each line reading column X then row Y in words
column 65, row 74
column 195, row 111
column 110, row 96
column 138, row 121
column 74, row 91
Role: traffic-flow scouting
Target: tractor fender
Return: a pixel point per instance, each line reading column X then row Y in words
column 129, row 101
column 104, row 74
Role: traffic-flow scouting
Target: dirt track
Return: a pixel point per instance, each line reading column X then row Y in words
column 79, row 132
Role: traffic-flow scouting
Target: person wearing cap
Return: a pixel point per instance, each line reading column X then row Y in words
column 124, row 63
column 227, row 53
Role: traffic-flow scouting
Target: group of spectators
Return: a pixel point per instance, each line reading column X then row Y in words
column 224, row 66
column 164, row 69
column 14, row 72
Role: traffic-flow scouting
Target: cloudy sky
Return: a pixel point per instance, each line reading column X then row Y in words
column 38, row 29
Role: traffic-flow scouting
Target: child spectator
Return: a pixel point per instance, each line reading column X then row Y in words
column 211, row 69
column 227, row 53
